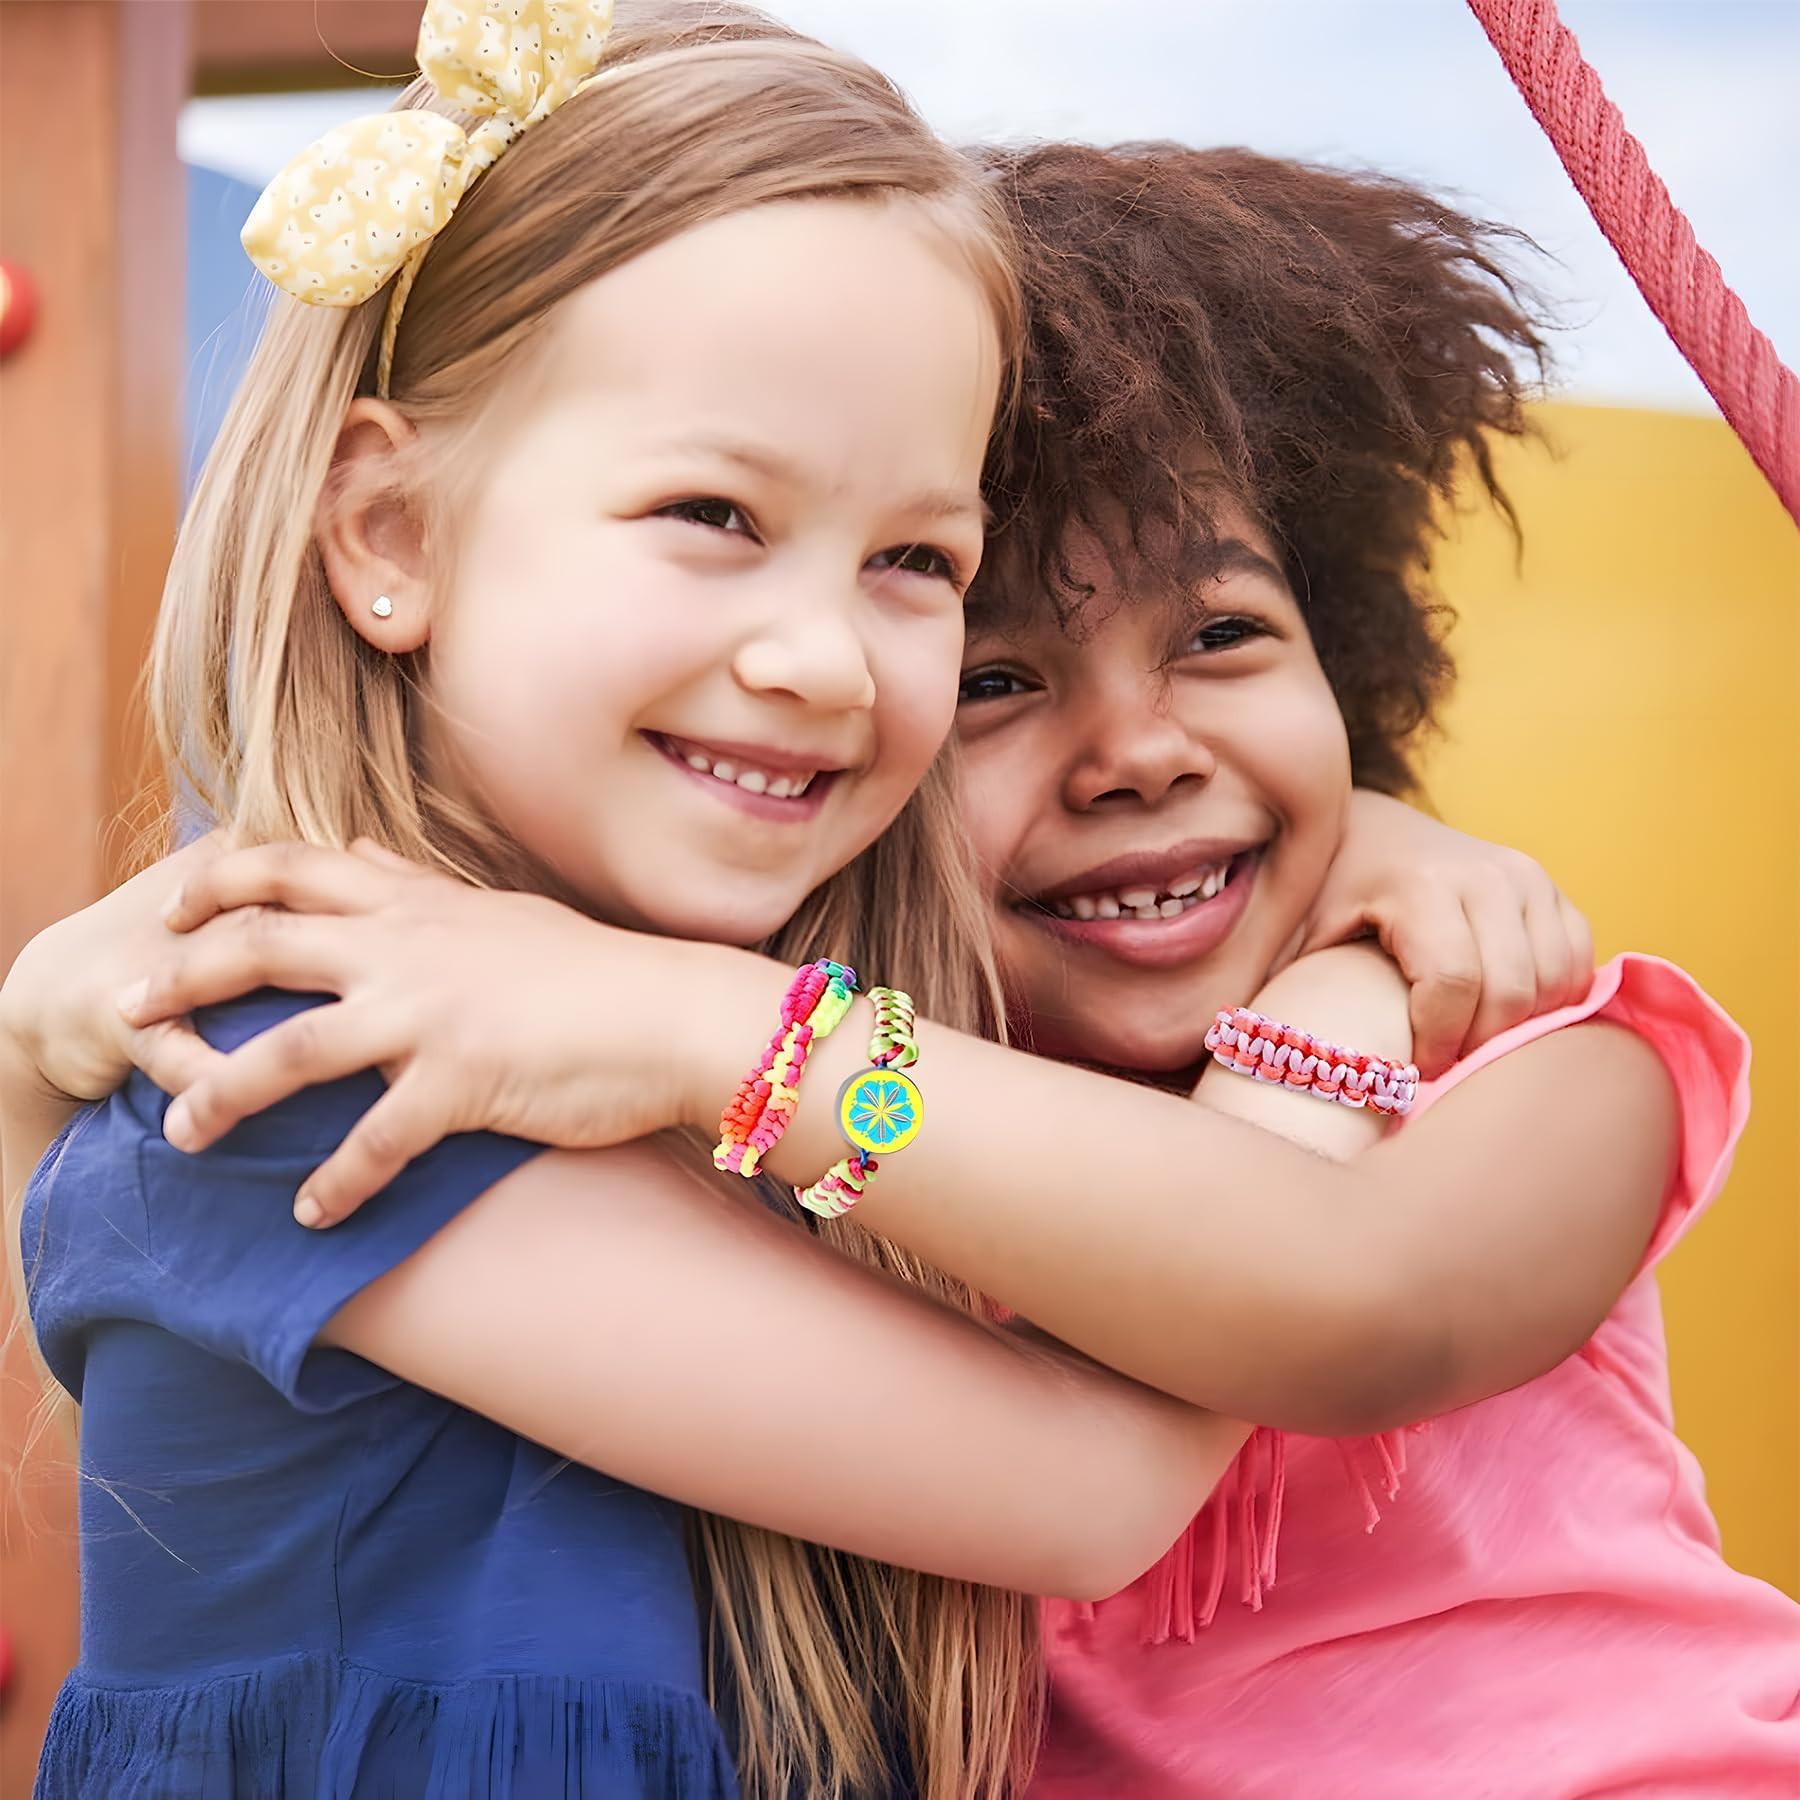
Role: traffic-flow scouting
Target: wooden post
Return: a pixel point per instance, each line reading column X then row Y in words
column 91, row 205
column 90, row 420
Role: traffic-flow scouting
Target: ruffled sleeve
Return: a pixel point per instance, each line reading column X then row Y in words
column 1705, row 1051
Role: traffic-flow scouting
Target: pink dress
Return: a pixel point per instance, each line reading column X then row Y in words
column 1543, row 1612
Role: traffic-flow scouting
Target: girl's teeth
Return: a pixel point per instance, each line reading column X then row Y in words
column 752, row 781
column 1142, row 903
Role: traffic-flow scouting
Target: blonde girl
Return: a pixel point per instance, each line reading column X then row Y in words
column 671, row 454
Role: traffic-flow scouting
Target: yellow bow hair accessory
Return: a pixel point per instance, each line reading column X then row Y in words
column 360, row 206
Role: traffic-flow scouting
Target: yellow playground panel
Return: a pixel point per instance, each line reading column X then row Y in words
column 1627, row 713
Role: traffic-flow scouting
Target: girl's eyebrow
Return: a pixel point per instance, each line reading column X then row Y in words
column 1234, row 556
column 953, row 503
column 772, row 465
column 759, row 459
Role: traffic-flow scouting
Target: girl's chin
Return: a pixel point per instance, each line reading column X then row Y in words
column 1144, row 1024
column 750, row 920
column 739, row 931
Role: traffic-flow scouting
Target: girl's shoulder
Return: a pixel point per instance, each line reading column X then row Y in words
column 120, row 1225
column 1705, row 1051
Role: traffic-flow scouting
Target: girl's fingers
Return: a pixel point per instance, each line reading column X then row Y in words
column 233, row 954
column 1509, row 985
column 403, row 1124
column 324, row 1043
column 299, row 877
column 173, row 1055
column 1581, row 946
column 1436, row 952
column 1548, row 938
column 383, row 858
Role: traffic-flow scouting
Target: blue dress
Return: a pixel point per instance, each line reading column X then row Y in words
column 302, row 1577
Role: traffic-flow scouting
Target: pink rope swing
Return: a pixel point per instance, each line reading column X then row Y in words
column 1756, row 392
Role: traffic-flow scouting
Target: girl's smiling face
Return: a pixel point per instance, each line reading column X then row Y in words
column 1154, row 800
column 701, row 637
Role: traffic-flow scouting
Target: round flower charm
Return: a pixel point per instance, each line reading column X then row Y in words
column 880, row 1111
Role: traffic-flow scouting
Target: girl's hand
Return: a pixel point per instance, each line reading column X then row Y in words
column 484, row 1009
column 1482, row 934
column 59, row 1016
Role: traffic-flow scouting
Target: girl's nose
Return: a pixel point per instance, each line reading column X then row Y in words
column 810, row 654
column 1138, row 754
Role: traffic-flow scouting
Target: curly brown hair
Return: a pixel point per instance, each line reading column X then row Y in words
column 1330, row 351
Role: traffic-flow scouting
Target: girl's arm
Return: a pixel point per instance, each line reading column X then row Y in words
column 948, row 1446
column 1351, row 994
column 934, row 1462
column 31, row 1114
column 1470, row 1251
column 631, row 1314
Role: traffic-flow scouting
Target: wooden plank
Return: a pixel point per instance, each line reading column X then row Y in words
column 91, row 204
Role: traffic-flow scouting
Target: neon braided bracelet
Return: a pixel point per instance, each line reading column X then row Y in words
column 758, row 1113
column 879, row 1109
column 1267, row 1051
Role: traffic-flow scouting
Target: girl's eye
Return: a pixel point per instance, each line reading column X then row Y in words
column 716, row 514
column 918, row 559
column 1226, row 633
column 990, row 684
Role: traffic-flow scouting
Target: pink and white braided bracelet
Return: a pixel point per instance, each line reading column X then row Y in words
column 1266, row 1050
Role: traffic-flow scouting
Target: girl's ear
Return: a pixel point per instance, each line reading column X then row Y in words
column 370, row 530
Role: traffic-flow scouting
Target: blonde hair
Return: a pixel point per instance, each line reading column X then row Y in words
column 279, row 719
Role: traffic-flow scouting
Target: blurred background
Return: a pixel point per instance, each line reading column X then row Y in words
column 1629, row 678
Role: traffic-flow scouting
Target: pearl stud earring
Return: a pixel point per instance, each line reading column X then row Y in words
column 382, row 607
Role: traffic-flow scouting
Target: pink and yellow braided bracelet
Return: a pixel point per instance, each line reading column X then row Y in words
column 759, row 1112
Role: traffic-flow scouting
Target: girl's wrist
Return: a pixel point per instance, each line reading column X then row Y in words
column 22, row 1012
column 737, row 1009
column 726, row 1013
column 812, row 1141
column 1350, row 993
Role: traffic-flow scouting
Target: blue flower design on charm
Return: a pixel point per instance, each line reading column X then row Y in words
column 880, row 1111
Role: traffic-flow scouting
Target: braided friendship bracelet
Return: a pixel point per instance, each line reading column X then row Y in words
column 1267, row 1051
column 879, row 1110
column 759, row 1112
